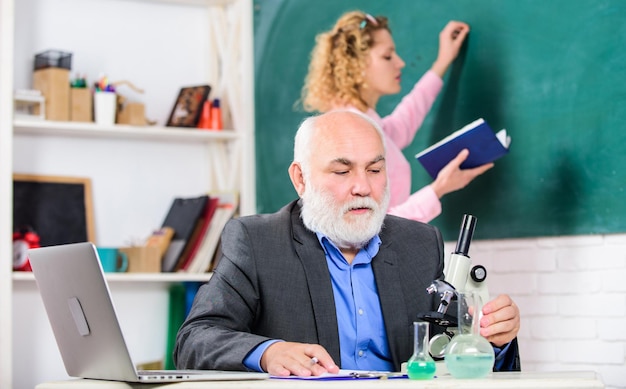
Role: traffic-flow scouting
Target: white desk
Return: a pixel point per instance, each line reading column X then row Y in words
column 534, row 380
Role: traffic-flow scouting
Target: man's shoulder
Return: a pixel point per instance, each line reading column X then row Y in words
column 274, row 219
column 399, row 226
column 268, row 230
column 402, row 222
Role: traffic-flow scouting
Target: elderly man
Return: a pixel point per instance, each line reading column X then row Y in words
column 329, row 280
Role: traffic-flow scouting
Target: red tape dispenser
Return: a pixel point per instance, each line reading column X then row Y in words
column 23, row 239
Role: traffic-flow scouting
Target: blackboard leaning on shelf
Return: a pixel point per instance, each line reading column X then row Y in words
column 59, row 209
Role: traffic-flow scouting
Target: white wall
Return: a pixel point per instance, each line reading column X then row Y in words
column 571, row 292
column 159, row 47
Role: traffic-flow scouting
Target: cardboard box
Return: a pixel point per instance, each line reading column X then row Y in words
column 133, row 114
column 143, row 259
column 81, row 103
column 54, row 84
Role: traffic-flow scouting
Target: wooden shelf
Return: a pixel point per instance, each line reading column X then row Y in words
column 19, row 276
column 92, row 130
column 192, row 2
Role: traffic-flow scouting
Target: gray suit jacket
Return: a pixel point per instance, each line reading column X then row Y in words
column 272, row 282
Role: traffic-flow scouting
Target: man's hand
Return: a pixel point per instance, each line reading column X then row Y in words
column 301, row 359
column 500, row 322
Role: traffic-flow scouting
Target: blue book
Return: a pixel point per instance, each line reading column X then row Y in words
column 483, row 144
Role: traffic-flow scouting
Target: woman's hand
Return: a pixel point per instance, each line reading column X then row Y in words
column 451, row 39
column 452, row 177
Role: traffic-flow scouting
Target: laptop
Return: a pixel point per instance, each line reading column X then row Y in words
column 83, row 319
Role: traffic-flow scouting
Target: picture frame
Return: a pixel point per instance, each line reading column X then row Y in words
column 188, row 106
column 58, row 208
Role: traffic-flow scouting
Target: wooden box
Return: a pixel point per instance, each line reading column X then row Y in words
column 133, row 114
column 81, row 105
column 54, row 84
column 143, row 259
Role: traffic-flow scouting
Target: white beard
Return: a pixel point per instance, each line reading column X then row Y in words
column 320, row 213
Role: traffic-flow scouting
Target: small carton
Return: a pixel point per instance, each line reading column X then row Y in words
column 133, row 114
column 81, row 105
column 143, row 259
column 54, row 84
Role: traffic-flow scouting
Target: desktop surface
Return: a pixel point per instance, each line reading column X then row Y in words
column 569, row 379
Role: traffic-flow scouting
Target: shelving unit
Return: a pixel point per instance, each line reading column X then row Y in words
column 92, row 130
column 165, row 278
column 135, row 171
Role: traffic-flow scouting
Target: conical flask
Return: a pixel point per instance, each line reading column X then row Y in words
column 469, row 355
column 420, row 366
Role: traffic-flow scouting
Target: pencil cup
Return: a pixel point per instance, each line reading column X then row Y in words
column 104, row 108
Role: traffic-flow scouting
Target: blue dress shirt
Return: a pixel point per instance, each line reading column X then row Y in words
column 362, row 335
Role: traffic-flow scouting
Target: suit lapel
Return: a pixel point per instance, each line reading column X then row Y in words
column 313, row 260
column 392, row 299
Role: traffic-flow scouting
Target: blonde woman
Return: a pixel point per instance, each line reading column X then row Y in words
column 352, row 66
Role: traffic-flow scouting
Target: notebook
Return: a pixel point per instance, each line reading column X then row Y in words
column 83, row 319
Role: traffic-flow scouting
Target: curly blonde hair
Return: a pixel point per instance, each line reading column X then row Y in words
column 338, row 61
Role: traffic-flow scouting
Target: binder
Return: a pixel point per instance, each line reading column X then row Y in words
column 199, row 236
column 182, row 216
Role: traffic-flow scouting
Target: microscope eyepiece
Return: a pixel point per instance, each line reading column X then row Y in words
column 465, row 235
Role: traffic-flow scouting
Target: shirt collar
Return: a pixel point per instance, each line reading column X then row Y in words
column 364, row 256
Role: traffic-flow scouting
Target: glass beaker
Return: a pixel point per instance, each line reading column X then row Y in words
column 420, row 366
column 469, row 355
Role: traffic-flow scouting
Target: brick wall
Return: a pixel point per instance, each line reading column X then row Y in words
column 572, row 296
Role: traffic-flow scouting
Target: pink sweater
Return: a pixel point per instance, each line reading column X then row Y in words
column 400, row 128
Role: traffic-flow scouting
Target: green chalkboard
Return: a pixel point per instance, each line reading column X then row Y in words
column 552, row 72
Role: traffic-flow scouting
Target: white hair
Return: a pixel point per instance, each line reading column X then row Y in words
column 302, row 149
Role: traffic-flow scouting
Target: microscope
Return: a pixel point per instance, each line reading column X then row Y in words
column 459, row 277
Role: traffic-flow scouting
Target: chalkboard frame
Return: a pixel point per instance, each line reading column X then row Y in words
column 86, row 189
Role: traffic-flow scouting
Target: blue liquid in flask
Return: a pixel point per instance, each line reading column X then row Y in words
column 421, row 365
column 469, row 355
column 421, row 370
column 469, row 366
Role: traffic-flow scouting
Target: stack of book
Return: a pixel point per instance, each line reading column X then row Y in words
column 197, row 224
